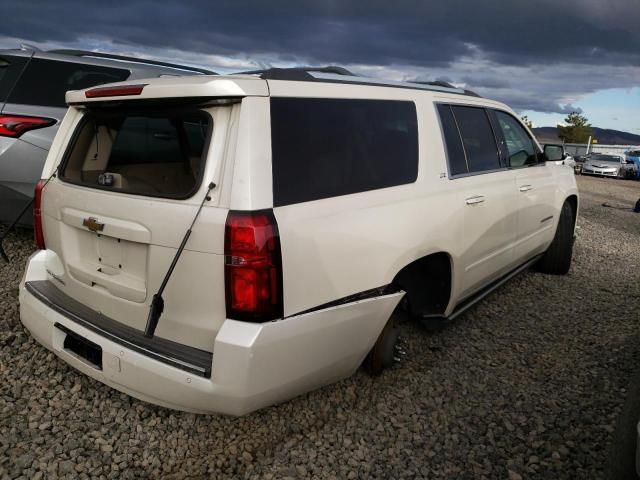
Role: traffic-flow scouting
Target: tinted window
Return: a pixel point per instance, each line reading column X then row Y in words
column 45, row 82
column 520, row 148
column 328, row 147
column 10, row 68
column 455, row 152
column 155, row 152
column 477, row 137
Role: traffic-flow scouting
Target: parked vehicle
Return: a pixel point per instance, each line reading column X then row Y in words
column 32, row 88
column 608, row 165
column 323, row 200
column 634, row 156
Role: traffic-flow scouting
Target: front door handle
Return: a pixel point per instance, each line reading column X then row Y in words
column 525, row 188
column 475, row 200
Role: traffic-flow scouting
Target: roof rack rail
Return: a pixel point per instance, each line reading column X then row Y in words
column 110, row 56
column 334, row 74
column 296, row 73
column 442, row 83
column 28, row 46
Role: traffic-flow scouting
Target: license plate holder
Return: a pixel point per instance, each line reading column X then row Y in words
column 81, row 348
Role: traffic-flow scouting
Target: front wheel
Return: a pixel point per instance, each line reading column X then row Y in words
column 557, row 259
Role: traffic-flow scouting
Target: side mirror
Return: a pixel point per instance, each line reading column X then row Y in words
column 554, row 153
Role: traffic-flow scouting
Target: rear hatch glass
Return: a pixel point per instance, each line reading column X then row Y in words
column 45, row 82
column 10, row 70
column 145, row 151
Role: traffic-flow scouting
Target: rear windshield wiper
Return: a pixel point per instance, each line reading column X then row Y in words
column 157, row 303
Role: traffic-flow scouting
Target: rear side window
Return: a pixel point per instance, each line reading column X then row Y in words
column 477, row 138
column 521, row 150
column 324, row 148
column 45, row 82
column 455, row 152
column 153, row 152
column 10, row 69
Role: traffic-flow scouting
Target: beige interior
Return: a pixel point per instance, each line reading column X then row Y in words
column 90, row 158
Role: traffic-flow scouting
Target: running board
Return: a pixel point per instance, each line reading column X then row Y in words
column 476, row 297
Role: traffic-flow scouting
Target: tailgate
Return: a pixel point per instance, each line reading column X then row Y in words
column 115, row 240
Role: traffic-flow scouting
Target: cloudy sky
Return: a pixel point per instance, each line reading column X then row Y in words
column 543, row 57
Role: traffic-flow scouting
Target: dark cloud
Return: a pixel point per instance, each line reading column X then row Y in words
column 413, row 33
column 349, row 31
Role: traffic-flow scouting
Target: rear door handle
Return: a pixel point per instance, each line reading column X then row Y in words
column 475, row 200
column 525, row 188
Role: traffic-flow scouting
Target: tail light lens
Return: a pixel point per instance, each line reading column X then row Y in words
column 15, row 125
column 253, row 266
column 38, row 233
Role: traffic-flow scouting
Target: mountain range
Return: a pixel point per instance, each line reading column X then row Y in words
column 604, row 136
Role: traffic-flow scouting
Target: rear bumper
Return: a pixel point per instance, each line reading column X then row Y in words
column 254, row 365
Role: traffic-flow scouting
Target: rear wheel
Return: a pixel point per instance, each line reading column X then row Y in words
column 557, row 259
column 383, row 352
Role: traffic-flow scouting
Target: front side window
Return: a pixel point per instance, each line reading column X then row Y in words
column 153, row 152
column 521, row 150
column 325, row 148
column 477, row 138
column 45, row 82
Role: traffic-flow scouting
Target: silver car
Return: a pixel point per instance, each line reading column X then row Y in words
column 607, row 165
column 32, row 91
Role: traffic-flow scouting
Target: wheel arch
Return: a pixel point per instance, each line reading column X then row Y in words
column 572, row 200
column 428, row 282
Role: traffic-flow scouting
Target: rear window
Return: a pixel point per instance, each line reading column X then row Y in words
column 477, row 138
column 455, row 152
column 324, row 148
column 45, row 82
column 149, row 152
column 10, row 69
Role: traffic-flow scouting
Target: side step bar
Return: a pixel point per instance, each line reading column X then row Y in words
column 475, row 298
column 434, row 322
column 180, row 356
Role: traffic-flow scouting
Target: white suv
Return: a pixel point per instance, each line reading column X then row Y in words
column 327, row 198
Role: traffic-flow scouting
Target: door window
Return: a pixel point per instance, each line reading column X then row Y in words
column 477, row 138
column 455, row 152
column 521, row 150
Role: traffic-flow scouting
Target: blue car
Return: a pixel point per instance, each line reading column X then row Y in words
column 634, row 156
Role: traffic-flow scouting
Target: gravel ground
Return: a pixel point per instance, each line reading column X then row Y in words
column 525, row 385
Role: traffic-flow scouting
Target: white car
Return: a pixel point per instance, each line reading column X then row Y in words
column 323, row 200
column 608, row 165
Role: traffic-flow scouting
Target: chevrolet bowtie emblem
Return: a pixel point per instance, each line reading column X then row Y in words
column 93, row 224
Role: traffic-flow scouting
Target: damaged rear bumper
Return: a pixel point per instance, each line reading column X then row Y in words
column 251, row 365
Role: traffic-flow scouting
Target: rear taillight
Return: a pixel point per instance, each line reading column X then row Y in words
column 16, row 125
column 38, row 233
column 117, row 91
column 253, row 266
